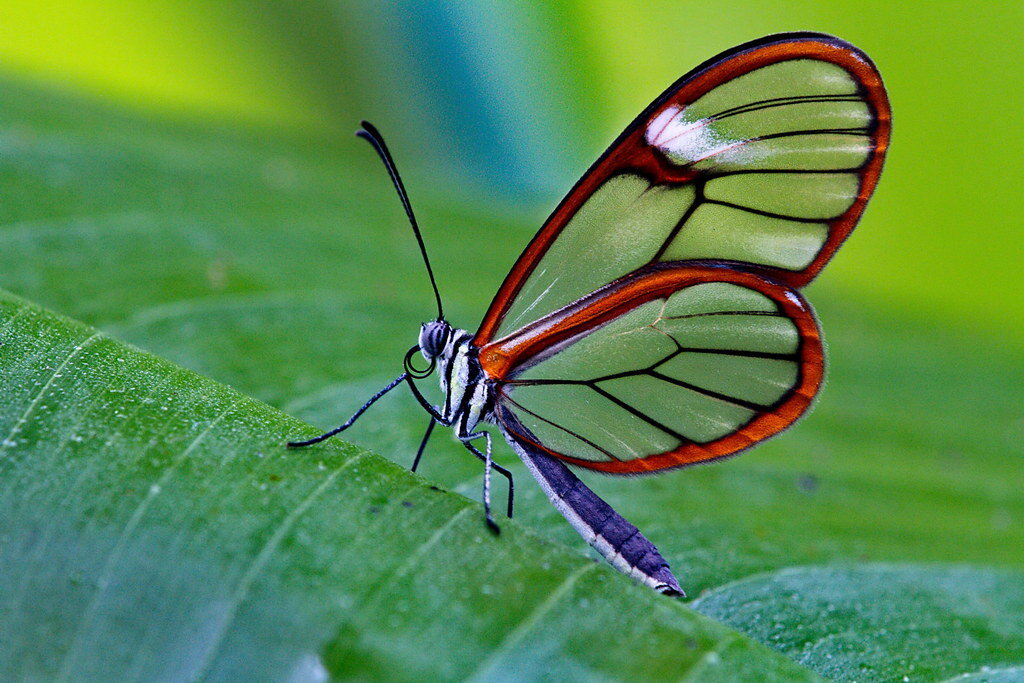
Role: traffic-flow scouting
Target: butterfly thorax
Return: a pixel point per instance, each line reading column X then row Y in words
column 468, row 397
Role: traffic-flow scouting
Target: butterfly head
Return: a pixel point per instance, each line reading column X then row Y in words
column 433, row 337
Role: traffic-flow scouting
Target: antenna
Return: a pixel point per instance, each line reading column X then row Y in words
column 370, row 133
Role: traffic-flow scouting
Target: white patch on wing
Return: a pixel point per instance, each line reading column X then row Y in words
column 690, row 141
column 518, row 322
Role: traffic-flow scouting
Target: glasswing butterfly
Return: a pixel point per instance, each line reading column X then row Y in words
column 656, row 321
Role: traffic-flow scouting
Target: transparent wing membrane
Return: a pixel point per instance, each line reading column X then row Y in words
column 673, row 373
column 620, row 228
column 764, row 158
column 654, row 321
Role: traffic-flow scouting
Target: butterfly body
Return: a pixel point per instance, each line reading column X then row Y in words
column 472, row 395
column 655, row 321
column 468, row 392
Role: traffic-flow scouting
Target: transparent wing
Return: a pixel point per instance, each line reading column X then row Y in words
column 763, row 158
column 672, row 366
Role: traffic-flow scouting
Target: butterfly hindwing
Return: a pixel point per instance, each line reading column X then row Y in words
column 762, row 158
column 668, row 367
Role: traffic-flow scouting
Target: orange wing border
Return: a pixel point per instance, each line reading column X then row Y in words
column 630, row 152
column 501, row 359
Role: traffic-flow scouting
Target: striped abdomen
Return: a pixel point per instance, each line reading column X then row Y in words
column 607, row 531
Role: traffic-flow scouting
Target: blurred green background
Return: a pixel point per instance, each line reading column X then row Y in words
column 183, row 176
column 509, row 104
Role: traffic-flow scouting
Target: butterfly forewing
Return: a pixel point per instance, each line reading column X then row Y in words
column 671, row 366
column 763, row 158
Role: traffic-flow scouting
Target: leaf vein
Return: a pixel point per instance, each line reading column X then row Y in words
column 118, row 549
column 260, row 562
column 531, row 620
column 6, row 443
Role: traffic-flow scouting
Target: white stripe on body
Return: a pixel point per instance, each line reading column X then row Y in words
column 467, row 394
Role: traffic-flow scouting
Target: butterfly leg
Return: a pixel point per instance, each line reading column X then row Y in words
column 488, row 465
column 423, row 444
column 500, row 470
column 373, row 399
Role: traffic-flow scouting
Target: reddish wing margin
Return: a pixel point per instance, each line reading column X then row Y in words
column 630, row 153
column 505, row 359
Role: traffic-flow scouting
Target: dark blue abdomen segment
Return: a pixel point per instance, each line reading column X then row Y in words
column 610, row 533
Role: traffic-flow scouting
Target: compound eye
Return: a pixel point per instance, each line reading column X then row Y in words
column 438, row 337
column 432, row 339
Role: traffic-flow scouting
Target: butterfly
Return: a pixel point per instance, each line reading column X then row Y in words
column 655, row 320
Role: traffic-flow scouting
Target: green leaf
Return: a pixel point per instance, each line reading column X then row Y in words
column 839, row 621
column 153, row 525
column 285, row 269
